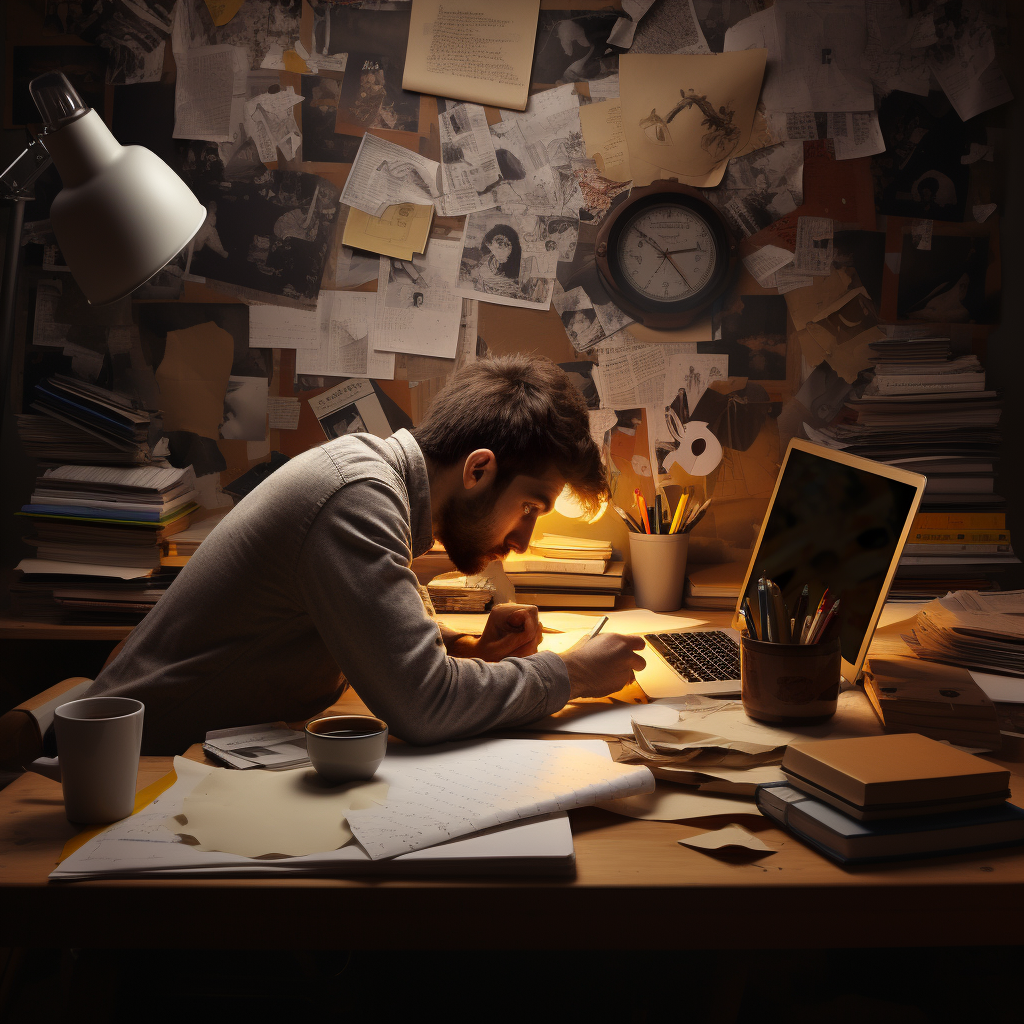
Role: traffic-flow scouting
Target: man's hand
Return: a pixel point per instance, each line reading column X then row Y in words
column 512, row 631
column 603, row 665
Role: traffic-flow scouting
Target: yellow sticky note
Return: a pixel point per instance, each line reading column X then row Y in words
column 400, row 231
column 222, row 11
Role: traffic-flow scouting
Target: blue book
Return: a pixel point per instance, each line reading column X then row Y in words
column 849, row 841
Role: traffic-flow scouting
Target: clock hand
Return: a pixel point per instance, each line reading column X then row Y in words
column 676, row 252
column 651, row 240
column 678, row 271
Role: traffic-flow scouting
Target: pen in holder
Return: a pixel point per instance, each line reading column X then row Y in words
column 790, row 684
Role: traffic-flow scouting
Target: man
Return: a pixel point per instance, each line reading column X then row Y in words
column 309, row 576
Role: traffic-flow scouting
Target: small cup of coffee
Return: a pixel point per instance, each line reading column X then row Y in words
column 346, row 748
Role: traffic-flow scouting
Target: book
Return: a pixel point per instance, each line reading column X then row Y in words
column 610, row 579
column 565, row 599
column 516, row 564
column 904, row 772
column 960, row 521
column 551, row 545
column 848, row 841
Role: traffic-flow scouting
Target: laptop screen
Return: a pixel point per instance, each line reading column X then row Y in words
column 836, row 524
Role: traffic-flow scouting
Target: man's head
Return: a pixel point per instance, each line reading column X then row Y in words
column 506, row 434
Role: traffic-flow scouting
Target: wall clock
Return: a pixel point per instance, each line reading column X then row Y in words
column 665, row 254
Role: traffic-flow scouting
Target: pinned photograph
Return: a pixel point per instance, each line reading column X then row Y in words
column 245, row 409
column 751, row 331
column 351, row 408
column 320, row 142
column 493, row 266
column 572, row 46
column 372, row 96
column 579, row 319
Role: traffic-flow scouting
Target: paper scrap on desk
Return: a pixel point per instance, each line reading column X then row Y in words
column 283, row 413
column 437, row 802
column 678, row 803
column 605, row 139
column 711, row 778
column 400, row 231
column 689, row 113
column 476, row 50
column 731, row 835
column 193, row 378
column 298, row 814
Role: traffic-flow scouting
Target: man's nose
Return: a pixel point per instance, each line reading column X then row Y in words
column 519, row 540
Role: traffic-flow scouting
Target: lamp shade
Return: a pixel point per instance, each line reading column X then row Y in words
column 123, row 214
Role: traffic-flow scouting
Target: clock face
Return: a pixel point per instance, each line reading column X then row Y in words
column 667, row 253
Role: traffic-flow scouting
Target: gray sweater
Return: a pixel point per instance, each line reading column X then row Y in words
column 307, row 583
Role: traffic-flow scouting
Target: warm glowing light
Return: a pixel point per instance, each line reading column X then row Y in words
column 567, row 505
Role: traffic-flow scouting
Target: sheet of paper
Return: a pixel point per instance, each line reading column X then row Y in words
column 672, row 27
column 862, row 137
column 401, row 231
column 689, row 113
column 823, row 67
column 209, row 92
column 416, row 308
column 469, row 166
column 604, row 88
column 351, row 407
column 625, row 27
column 436, row 802
column 678, row 803
column 283, row 413
column 895, row 58
column 472, row 50
column 605, row 139
column 193, row 378
column 578, row 318
column 298, row 815
column 630, row 621
column 814, row 246
column 384, row 174
column 282, row 327
column 44, row 565
column 764, row 262
column 345, row 339
column 731, row 835
column 270, row 122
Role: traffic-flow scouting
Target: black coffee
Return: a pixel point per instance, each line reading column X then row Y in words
column 351, row 734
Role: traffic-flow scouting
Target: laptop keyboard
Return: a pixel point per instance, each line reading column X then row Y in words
column 699, row 657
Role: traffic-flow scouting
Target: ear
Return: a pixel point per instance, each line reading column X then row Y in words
column 479, row 470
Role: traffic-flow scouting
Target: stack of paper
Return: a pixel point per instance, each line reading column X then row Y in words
column 273, row 746
column 454, row 592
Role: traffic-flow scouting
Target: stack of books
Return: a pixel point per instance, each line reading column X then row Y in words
column 874, row 798
column 100, row 532
column 454, row 592
column 566, row 572
column 83, row 423
column 714, row 586
column 929, row 412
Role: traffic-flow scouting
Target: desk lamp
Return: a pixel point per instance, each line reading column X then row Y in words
column 121, row 217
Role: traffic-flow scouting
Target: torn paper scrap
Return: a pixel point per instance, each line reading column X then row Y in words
column 860, row 136
column 605, row 139
column 678, row 803
column 400, row 231
column 345, row 340
column 983, row 212
column 731, row 835
column 469, row 166
column 384, row 174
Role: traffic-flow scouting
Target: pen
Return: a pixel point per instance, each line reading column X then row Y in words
column 818, row 613
column 657, row 513
column 805, row 629
column 696, row 516
column 749, row 619
column 779, row 616
column 801, row 604
column 826, row 620
column 762, row 607
column 631, row 523
column 600, row 624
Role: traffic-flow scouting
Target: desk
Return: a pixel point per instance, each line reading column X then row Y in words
column 626, row 869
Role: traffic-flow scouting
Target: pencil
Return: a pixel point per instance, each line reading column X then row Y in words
column 677, row 519
column 801, row 603
column 762, row 606
column 631, row 523
column 638, row 498
column 599, row 625
column 826, row 620
column 696, row 516
column 805, row 629
column 748, row 616
column 657, row 513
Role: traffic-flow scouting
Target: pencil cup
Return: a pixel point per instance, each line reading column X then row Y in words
column 790, row 684
column 659, row 568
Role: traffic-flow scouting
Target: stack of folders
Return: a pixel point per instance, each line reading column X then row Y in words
column 80, row 422
column 928, row 411
column 100, row 531
column 566, row 572
column 873, row 798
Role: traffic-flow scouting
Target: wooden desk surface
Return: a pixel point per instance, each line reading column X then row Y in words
column 635, row 887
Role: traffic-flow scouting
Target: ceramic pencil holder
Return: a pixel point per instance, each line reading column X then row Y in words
column 790, row 684
column 658, row 564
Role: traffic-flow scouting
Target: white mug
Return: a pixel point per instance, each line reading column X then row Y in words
column 98, row 745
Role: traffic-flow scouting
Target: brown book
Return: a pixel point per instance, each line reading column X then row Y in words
column 894, row 775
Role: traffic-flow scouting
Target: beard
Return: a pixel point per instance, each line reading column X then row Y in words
column 466, row 528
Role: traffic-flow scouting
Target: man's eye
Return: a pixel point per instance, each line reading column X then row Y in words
column 528, row 509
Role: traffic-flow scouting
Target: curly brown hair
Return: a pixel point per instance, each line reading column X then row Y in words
column 528, row 412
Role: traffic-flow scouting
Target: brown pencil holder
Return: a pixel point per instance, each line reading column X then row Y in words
column 790, row 684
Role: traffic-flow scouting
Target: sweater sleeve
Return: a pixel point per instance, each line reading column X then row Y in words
column 362, row 595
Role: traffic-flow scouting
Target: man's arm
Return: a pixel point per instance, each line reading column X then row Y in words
column 357, row 586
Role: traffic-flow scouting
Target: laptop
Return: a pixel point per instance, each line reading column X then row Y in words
column 834, row 521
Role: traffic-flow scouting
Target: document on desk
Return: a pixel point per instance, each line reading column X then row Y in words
column 528, row 838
